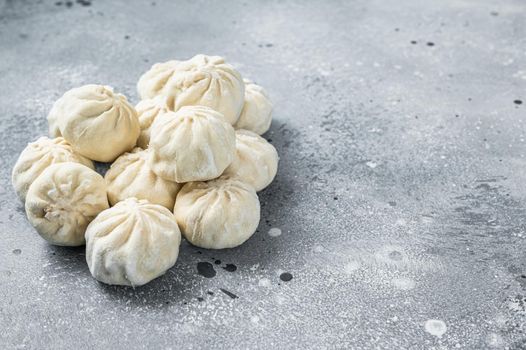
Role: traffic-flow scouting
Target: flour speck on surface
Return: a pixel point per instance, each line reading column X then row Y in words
column 403, row 283
column 274, row 232
column 264, row 282
column 435, row 327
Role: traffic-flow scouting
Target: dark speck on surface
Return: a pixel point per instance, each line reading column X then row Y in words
column 285, row 276
column 217, row 262
column 126, row 37
column 17, row 251
column 230, row 267
column 210, row 293
column 392, row 203
column 69, row 3
column 269, row 45
column 494, row 13
column 206, row 269
column 517, row 102
column 413, row 42
column 430, row 43
column 58, row 3
column 200, row 299
column 230, row 294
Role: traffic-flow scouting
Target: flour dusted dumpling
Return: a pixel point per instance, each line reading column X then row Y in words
column 153, row 82
column 193, row 144
column 202, row 80
column 132, row 243
column 217, row 214
column 256, row 161
column 147, row 111
column 256, row 114
column 63, row 200
column 99, row 123
column 131, row 176
column 39, row 155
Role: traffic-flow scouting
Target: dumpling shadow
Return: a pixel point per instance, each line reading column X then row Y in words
column 277, row 201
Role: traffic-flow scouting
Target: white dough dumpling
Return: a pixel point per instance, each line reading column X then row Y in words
column 217, row 214
column 147, row 111
column 256, row 114
column 130, row 176
column 39, row 155
column 202, row 80
column 63, row 200
column 193, row 144
column 256, row 161
column 132, row 243
column 99, row 123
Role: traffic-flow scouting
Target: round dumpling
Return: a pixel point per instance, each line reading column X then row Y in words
column 217, row 214
column 256, row 114
column 132, row 243
column 63, row 200
column 202, row 80
column 147, row 111
column 98, row 123
column 256, row 161
column 153, row 82
column 131, row 176
column 37, row 156
column 193, row 144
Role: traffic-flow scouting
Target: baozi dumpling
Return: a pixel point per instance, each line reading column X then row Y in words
column 256, row 161
column 256, row 114
column 131, row 176
column 63, row 200
column 217, row 214
column 147, row 111
column 152, row 83
column 99, row 123
column 39, row 155
column 193, row 144
column 132, row 243
column 202, row 80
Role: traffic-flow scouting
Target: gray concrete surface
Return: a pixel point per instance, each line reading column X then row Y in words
column 400, row 196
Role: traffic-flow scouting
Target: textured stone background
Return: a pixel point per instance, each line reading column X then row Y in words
column 400, row 195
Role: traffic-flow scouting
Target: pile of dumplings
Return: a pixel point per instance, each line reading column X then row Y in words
column 187, row 159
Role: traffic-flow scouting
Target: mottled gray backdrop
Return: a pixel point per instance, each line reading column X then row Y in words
column 400, row 197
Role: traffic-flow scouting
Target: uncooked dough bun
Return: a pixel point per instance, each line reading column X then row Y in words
column 39, row 155
column 63, row 200
column 98, row 123
column 131, row 176
column 147, row 111
column 132, row 243
column 256, row 114
column 202, row 80
column 193, row 144
column 256, row 161
column 217, row 214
